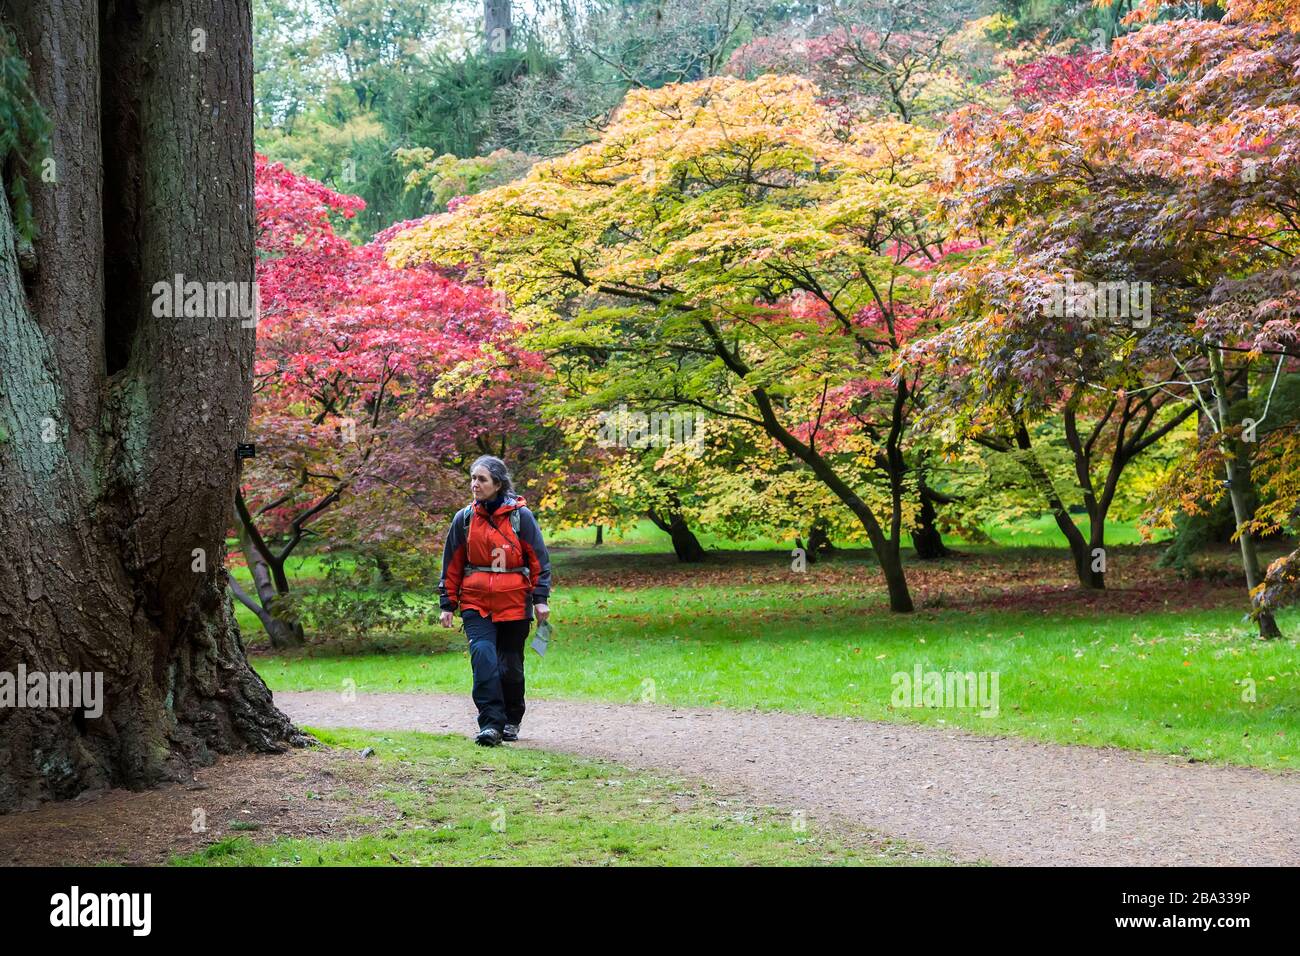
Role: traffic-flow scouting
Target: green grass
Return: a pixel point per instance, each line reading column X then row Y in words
column 1043, row 532
column 466, row 805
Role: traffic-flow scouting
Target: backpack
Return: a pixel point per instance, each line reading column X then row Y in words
column 469, row 515
column 514, row 526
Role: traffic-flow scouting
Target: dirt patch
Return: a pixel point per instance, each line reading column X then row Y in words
column 1001, row 799
column 329, row 794
column 312, row 792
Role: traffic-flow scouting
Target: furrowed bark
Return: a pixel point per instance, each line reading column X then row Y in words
column 112, row 532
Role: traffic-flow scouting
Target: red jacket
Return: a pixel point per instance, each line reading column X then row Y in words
column 499, row 595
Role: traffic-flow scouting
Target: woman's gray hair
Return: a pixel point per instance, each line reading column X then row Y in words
column 498, row 470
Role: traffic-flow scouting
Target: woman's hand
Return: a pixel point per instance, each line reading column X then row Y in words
column 447, row 618
column 542, row 611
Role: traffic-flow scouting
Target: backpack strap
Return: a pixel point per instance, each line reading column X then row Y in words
column 468, row 512
column 481, row 567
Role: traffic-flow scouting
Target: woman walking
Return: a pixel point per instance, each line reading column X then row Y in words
column 496, row 570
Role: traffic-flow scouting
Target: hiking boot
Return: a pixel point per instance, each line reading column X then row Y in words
column 510, row 732
column 488, row 737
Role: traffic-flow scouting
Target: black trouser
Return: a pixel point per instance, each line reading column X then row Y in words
column 496, row 652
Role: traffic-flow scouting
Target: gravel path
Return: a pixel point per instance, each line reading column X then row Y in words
column 1005, row 800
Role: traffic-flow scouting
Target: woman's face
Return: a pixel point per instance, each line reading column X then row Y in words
column 481, row 483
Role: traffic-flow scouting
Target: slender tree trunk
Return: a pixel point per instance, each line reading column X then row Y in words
column 1086, row 565
column 886, row 548
column 887, row 552
column 117, row 469
column 600, row 535
column 282, row 630
column 926, row 539
column 498, row 32
column 686, row 546
column 270, row 582
column 1094, row 556
column 1240, row 493
column 385, row 569
column 819, row 543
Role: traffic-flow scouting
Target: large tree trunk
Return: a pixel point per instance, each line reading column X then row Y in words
column 117, row 469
